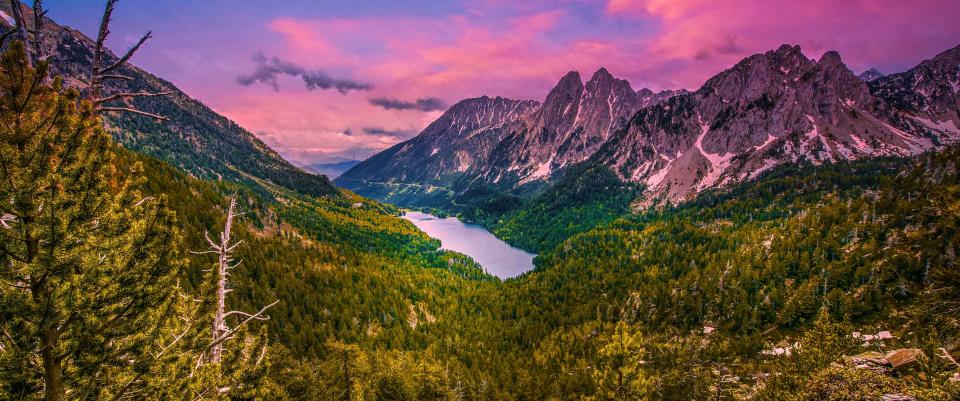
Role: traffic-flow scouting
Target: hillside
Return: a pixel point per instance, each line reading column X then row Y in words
column 828, row 273
column 195, row 138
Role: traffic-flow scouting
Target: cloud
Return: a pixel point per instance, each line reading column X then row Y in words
column 269, row 69
column 520, row 49
column 400, row 133
column 422, row 104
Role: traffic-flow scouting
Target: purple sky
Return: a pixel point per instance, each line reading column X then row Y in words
column 323, row 80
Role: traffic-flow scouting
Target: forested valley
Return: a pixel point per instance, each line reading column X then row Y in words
column 787, row 287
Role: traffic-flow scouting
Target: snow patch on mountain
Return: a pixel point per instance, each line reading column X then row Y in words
column 718, row 162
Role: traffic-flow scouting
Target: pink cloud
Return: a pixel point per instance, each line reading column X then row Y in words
column 865, row 32
column 522, row 52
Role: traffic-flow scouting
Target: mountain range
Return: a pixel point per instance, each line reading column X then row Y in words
column 769, row 109
column 331, row 170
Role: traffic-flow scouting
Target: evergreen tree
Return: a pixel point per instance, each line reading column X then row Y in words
column 619, row 373
column 89, row 263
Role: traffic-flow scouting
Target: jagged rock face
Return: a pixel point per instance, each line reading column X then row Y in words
column 870, row 75
column 459, row 140
column 926, row 95
column 194, row 139
column 573, row 122
column 512, row 142
column 769, row 109
column 649, row 98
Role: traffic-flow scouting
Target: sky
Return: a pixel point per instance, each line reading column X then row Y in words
column 326, row 81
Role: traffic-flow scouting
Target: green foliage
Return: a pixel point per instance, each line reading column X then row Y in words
column 840, row 384
column 585, row 197
column 620, row 372
column 90, row 261
column 370, row 308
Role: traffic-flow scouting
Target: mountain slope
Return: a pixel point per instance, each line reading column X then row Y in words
column 195, row 138
column 769, row 109
column 460, row 139
column 331, row 170
column 574, row 120
column 504, row 144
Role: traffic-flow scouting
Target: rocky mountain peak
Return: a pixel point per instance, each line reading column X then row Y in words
column 602, row 75
column 768, row 109
column 870, row 75
column 475, row 113
column 929, row 92
column 831, row 59
column 559, row 108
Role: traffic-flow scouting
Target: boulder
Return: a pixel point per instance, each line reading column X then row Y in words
column 903, row 358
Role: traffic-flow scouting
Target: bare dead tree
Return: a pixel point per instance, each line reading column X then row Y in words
column 22, row 31
column 19, row 22
column 99, row 73
column 225, row 263
column 38, row 14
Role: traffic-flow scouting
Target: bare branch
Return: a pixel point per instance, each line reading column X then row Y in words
column 134, row 111
column 203, row 253
column 6, row 35
column 98, row 73
column 227, row 335
column 245, row 314
column 129, row 95
column 98, row 49
column 128, row 54
column 234, row 246
column 5, row 218
column 206, row 235
column 149, row 198
column 946, row 355
column 115, row 76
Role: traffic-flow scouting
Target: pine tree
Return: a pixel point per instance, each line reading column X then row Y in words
column 619, row 373
column 89, row 263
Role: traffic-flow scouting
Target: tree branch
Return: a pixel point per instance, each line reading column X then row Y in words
column 5, row 218
column 129, row 95
column 19, row 21
column 115, row 76
column 127, row 55
column 231, row 332
column 6, row 35
column 245, row 314
column 134, row 111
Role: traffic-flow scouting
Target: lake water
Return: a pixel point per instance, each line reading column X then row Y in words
column 497, row 257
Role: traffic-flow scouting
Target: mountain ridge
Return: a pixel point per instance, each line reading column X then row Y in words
column 768, row 109
column 195, row 138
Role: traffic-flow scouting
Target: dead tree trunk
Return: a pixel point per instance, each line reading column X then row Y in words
column 220, row 331
column 99, row 74
column 223, row 264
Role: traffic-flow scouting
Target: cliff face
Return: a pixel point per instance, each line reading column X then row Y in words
column 769, row 109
